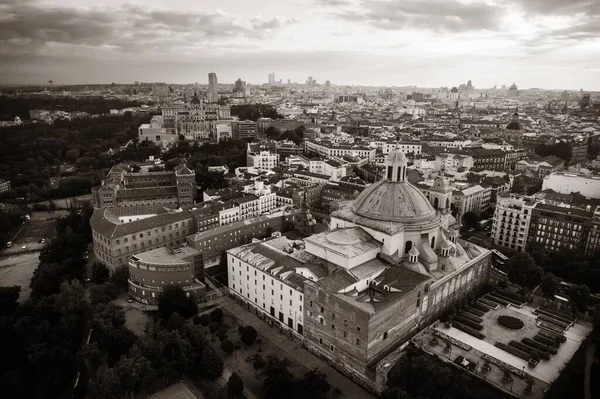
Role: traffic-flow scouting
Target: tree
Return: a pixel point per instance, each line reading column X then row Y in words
column 523, row 271
column 173, row 299
column 580, row 295
column 235, row 386
column 470, row 219
column 106, row 384
column 120, row 277
column 395, row 393
column 175, row 322
column 313, row 385
column 8, row 299
column 259, row 363
column 227, row 346
column 103, row 293
column 248, row 335
column 211, row 363
column 272, row 133
column 279, row 381
column 216, row 315
column 550, row 285
column 196, row 320
column 205, row 320
column 100, row 273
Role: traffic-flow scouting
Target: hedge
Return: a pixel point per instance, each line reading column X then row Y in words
column 489, row 303
column 558, row 338
column 539, row 346
column 469, row 323
column 552, row 327
column 481, row 308
column 533, row 352
column 511, row 322
column 468, row 330
column 476, row 311
column 514, row 296
column 553, row 316
column 497, row 300
column 564, row 315
column 546, row 341
column 556, row 322
column 510, row 349
column 472, row 317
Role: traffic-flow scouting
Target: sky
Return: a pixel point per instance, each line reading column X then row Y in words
column 551, row 44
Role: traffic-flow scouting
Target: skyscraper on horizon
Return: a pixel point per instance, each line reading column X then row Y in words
column 272, row 78
column 213, row 93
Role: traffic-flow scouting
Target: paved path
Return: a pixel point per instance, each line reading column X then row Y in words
column 589, row 359
column 293, row 349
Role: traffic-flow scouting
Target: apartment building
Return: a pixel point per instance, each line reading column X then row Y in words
column 568, row 183
column 262, row 156
column 244, row 130
column 512, row 219
column 328, row 149
column 406, row 147
column 453, row 162
column 540, row 167
column 156, row 132
column 471, row 199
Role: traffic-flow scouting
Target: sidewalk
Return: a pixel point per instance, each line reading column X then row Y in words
column 293, row 350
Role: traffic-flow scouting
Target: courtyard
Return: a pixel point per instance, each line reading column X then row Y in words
column 452, row 342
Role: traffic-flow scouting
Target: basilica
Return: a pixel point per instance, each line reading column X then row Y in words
column 390, row 264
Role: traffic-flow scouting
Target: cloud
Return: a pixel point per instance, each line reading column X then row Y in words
column 129, row 27
column 554, row 7
column 435, row 15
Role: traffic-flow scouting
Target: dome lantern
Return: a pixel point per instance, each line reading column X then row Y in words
column 395, row 165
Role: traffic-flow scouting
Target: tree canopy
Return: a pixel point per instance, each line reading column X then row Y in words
column 173, row 299
column 523, row 271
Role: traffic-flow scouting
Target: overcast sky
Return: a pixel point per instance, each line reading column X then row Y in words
column 534, row 43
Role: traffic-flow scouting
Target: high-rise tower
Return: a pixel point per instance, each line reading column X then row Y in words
column 213, row 94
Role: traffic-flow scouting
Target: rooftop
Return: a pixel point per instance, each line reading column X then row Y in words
column 166, row 256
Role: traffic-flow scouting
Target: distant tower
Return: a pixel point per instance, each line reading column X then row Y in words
column 272, row 78
column 213, row 94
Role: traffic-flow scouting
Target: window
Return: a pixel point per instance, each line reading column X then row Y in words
column 385, row 335
column 321, row 341
column 331, row 348
column 345, row 334
column 358, row 329
column 333, row 327
column 357, row 341
column 322, row 309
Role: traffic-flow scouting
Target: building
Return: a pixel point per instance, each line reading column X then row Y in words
column 286, row 148
column 568, row 183
column 405, row 146
column 213, row 92
column 261, row 156
column 486, row 159
column 328, row 149
column 223, row 130
column 156, row 132
column 513, row 91
column 386, row 269
column 244, row 130
column 115, row 240
column 522, row 223
column 272, row 79
column 4, row 185
column 453, row 162
column 212, row 243
column 512, row 218
column 579, row 151
column 540, row 167
column 150, row 271
column 145, row 192
column 194, row 118
column 472, row 199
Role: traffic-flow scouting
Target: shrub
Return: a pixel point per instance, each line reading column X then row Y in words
column 481, row 308
column 216, row 315
column 213, row 326
column 539, row 346
column 227, row 346
column 534, row 353
column 510, row 349
column 472, row 317
column 475, row 311
column 511, row 322
column 248, row 335
column 469, row 323
column 546, row 341
column 468, row 330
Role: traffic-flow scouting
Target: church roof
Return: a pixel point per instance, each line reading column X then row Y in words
column 393, row 201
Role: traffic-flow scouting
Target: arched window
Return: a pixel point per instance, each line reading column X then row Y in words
column 436, row 202
column 407, row 246
column 448, row 203
column 433, row 242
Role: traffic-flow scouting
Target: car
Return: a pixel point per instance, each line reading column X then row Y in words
column 471, row 230
column 42, row 241
column 9, row 244
column 24, row 247
column 85, row 257
column 130, row 300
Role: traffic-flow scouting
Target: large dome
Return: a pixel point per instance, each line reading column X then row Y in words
column 393, row 201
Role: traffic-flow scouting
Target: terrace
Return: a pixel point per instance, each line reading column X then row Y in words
column 536, row 349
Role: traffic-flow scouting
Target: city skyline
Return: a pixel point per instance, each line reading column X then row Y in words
column 427, row 43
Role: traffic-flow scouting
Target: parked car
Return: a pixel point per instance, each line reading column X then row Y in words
column 42, row 241
column 9, row 244
column 130, row 299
